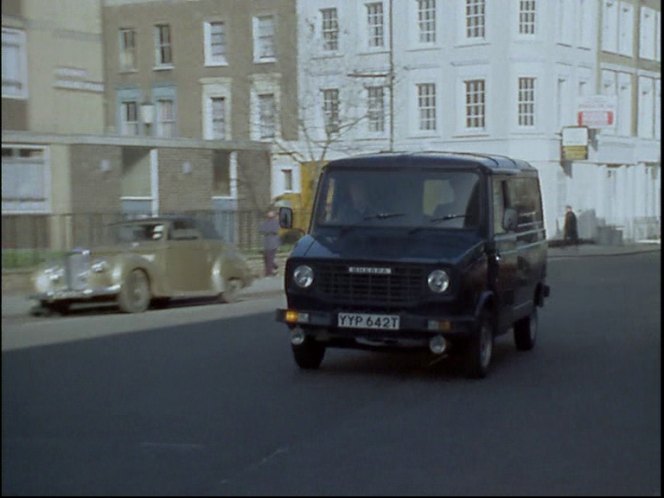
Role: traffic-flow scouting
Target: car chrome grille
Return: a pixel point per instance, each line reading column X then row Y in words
column 77, row 265
column 404, row 285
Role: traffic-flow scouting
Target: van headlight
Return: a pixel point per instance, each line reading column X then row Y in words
column 438, row 281
column 303, row 276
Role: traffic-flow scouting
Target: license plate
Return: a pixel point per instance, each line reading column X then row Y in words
column 368, row 321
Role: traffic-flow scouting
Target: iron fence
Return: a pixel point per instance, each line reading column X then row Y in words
column 28, row 239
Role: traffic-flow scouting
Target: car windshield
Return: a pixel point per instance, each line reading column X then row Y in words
column 417, row 197
column 139, row 232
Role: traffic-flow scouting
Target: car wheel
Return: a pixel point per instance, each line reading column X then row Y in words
column 134, row 295
column 479, row 348
column 309, row 354
column 231, row 290
column 525, row 331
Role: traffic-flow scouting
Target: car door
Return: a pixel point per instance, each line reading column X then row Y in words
column 186, row 261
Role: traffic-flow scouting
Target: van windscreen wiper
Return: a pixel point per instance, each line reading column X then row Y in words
column 436, row 220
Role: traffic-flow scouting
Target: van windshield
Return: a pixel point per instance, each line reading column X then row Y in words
column 403, row 198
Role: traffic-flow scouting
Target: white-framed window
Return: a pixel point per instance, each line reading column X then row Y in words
column 565, row 14
column 266, row 116
column 330, row 29
column 426, row 106
column 375, row 25
column 376, row 108
column 610, row 25
column 25, row 179
column 657, row 109
column 526, row 102
column 14, row 64
column 647, row 34
column 165, row 118
column 331, row 110
column 287, row 176
column 625, row 29
column 658, row 36
column 214, row 33
column 426, row 22
column 609, row 88
column 218, row 118
column 129, row 124
column 163, row 45
column 624, row 110
column 127, row 49
column 475, row 19
column 264, row 39
column 586, row 23
column 562, row 102
column 646, row 102
column 527, row 17
column 475, row 104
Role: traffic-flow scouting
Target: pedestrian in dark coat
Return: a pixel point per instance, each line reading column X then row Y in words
column 269, row 228
column 570, row 233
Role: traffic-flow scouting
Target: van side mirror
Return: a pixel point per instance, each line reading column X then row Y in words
column 285, row 217
column 510, row 219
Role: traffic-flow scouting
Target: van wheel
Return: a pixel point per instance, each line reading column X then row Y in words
column 309, row 354
column 479, row 349
column 525, row 331
column 134, row 295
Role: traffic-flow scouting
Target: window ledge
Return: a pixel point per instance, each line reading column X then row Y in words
column 163, row 68
column 472, row 134
column 423, row 48
column 215, row 64
column 128, row 71
column 265, row 60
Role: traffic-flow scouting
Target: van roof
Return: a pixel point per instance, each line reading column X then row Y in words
column 495, row 163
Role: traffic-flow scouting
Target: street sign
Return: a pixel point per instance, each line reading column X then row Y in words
column 597, row 111
column 574, row 145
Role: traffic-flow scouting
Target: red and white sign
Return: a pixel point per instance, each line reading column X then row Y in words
column 597, row 111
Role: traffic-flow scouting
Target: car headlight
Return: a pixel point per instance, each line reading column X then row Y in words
column 99, row 266
column 303, row 276
column 438, row 281
column 54, row 273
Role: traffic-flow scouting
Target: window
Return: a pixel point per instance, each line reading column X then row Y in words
column 288, row 179
column 526, row 17
column 330, row 29
column 24, row 179
column 129, row 118
column 215, row 43
column 475, row 100
column 624, row 117
column 426, row 21
column 498, row 204
column 586, row 23
column 564, row 21
column 658, row 106
column 426, row 104
column 375, row 24
column 524, row 196
column 266, row 115
column 264, row 39
column 163, row 51
column 562, row 101
column 658, row 36
column 221, row 174
column 475, row 20
column 331, row 110
column 127, row 49
column 376, row 108
column 610, row 26
column 526, row 99
column 625, row 33
column 647, row 109
column 647, row 34
column 14, row 64
column 165, row 118
column 218, row 117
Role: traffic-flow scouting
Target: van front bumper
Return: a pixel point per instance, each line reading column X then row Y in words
column 411, row 326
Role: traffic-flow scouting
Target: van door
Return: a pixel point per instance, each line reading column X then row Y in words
column 504, row 265
column 524, row 196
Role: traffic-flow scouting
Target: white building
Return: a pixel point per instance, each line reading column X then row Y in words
column 498, row 76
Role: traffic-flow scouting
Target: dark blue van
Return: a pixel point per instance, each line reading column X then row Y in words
column 433, row 250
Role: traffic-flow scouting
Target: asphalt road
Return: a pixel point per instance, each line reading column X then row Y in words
column 206, row 400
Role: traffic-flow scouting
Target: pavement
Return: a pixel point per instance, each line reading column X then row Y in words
column 15, row 303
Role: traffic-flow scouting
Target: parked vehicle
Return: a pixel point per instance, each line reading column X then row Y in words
column 450, row 251
column 149, row 261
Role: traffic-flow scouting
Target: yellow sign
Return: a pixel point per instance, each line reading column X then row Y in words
column 574, row 152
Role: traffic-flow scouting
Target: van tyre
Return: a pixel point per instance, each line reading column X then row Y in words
column 309, row 354
column 479, row 348
column 525, row 331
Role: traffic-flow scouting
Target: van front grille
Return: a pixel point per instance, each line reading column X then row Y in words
column 402, row 286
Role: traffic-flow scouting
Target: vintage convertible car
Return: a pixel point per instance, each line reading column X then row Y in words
column 149, row 261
